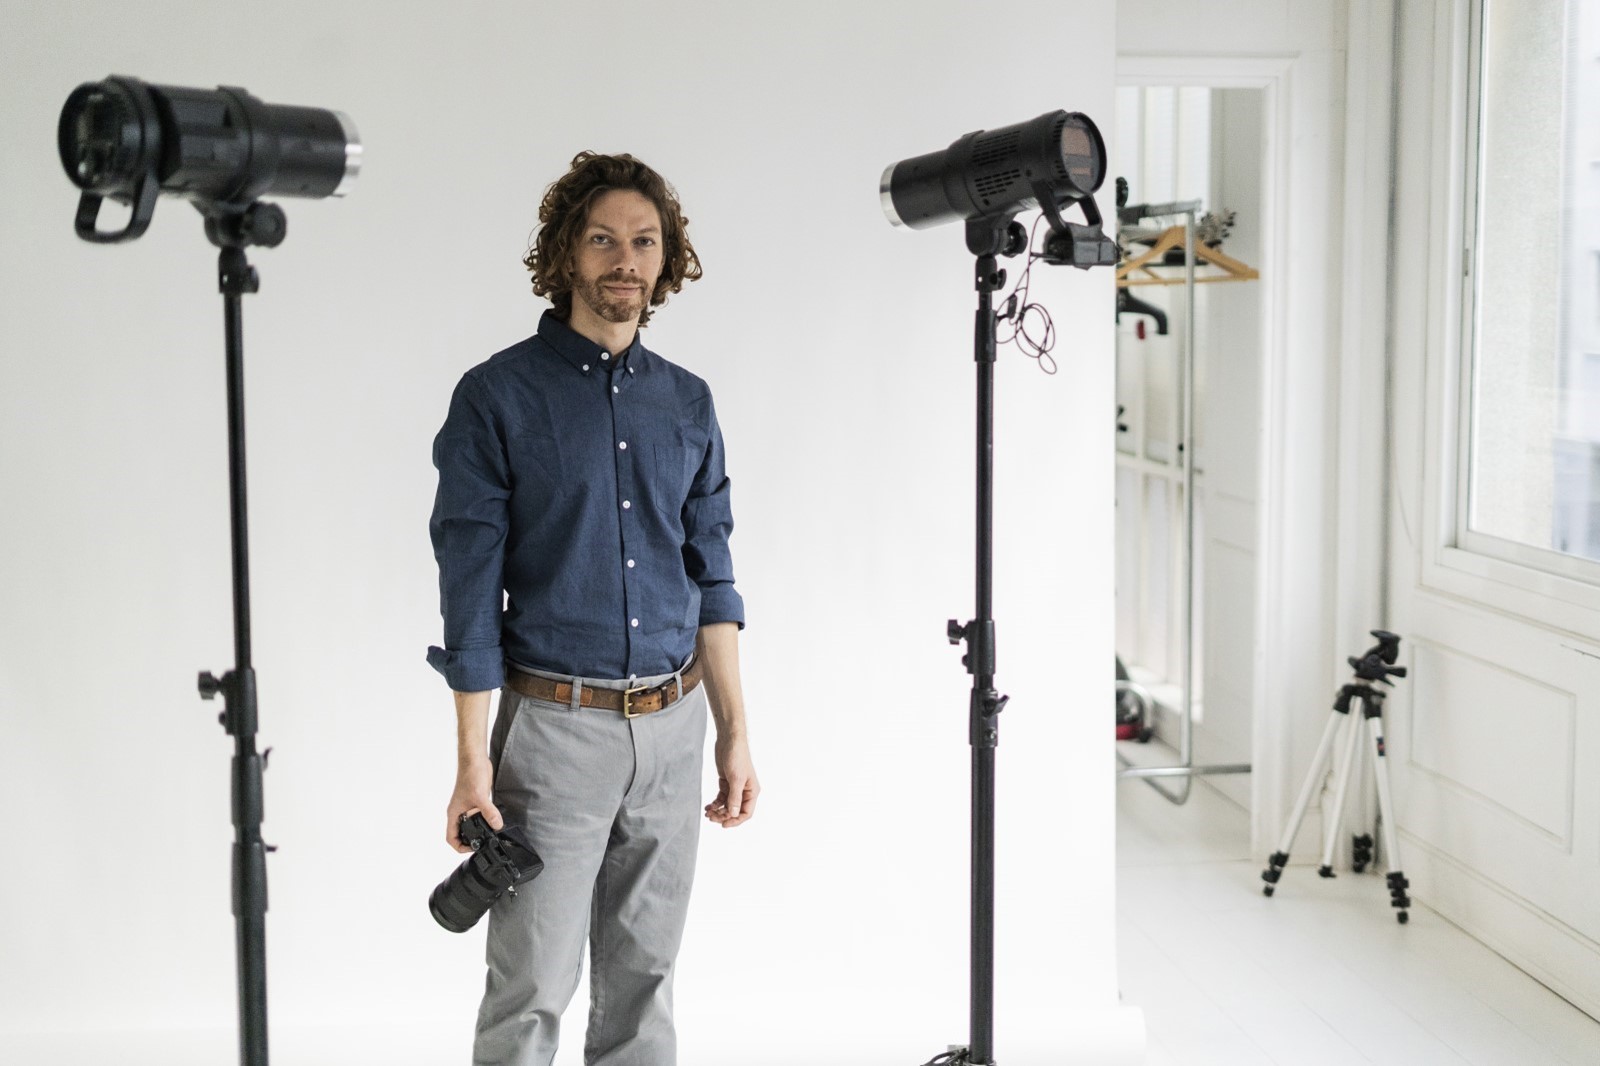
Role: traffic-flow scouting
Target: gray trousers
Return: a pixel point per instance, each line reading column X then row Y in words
column 613, row 807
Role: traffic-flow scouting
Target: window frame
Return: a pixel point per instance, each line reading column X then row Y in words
column 1541, row 585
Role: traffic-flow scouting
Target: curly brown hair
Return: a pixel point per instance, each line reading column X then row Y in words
column 565, row 211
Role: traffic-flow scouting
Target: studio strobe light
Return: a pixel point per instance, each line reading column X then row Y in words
column 221, row 149
column 985, row 179
column 988, row 177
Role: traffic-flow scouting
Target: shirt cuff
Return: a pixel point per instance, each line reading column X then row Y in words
column 721, row 603
column 471, row 669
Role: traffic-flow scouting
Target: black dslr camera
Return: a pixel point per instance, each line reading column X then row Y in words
column 499, row 863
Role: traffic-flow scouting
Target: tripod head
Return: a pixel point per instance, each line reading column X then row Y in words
column 1377, row 663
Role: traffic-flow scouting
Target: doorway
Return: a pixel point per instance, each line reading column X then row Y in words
column 1190, row 369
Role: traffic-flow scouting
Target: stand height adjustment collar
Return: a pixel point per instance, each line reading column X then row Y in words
column 238, row 691
column 980, row 638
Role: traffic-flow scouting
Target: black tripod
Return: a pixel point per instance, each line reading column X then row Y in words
column 233, row 230
column 1375, row 666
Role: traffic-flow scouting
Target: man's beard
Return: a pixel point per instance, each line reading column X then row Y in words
column 607, row 306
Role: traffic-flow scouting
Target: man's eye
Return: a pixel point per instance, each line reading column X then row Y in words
column 646, row 242
column 599, row 238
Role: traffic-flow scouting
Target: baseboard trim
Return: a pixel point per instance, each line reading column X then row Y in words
column 1541, row 945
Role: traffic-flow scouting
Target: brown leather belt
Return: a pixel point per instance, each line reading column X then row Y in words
column 632, row 702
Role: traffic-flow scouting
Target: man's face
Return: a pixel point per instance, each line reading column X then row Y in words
column 618, row 256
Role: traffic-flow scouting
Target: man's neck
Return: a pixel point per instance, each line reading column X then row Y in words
column 614, row 337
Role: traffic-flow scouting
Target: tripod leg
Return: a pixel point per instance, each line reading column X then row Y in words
column 1280, row 857
column 1346, row 769
column 1361, row 844
column 1391, row 846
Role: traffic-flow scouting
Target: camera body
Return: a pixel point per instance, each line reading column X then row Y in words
column 500, row 862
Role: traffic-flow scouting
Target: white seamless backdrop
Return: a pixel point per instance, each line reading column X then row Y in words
column 833, row 926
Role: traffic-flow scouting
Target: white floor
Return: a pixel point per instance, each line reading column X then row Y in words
column 1319, row 974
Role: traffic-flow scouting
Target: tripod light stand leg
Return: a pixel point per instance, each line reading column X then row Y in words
column 1346, row 771
column 1319, row 761
column 1391, row 845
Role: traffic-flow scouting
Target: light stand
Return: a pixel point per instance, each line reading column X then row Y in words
column 222, row 149
column 233, row 231
column 988, row 238
column 984, row 179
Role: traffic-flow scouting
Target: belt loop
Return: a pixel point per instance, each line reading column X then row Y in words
column 577, row 694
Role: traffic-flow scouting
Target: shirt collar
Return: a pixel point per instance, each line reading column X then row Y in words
column 583, row 353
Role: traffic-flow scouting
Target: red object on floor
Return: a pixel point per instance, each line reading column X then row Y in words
column 1130, row 731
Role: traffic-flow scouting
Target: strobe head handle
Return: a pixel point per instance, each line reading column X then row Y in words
column 1377, row 664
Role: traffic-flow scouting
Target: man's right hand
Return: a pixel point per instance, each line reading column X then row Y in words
column 474, row 783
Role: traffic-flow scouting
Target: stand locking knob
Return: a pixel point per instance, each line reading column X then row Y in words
column 210, row 685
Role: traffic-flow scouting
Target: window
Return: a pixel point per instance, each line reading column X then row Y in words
column 1531, row 482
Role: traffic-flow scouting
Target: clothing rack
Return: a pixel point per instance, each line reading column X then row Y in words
column 1141, row 270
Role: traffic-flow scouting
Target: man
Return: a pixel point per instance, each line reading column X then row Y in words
column 581, row 528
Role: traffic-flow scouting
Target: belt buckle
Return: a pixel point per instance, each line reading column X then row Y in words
column 628, row 711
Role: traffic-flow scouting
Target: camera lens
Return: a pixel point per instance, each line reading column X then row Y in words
column 463, row 897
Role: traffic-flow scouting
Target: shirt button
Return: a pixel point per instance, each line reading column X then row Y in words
column 630, row 564
column 634, row 623
column 604, row 356
column 626, row 504
column 615, row 389
column 622, row 444
column 585, row 368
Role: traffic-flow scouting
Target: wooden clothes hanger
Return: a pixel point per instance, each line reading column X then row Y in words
column 1140, row 270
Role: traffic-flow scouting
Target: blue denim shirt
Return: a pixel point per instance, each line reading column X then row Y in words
column 582, row 519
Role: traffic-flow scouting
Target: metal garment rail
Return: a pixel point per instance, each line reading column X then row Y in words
column 1185, row 767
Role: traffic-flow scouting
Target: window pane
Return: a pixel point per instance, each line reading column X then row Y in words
column 1534, row 476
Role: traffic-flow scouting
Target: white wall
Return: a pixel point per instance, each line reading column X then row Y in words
column 840, row 355
column 1496, row 752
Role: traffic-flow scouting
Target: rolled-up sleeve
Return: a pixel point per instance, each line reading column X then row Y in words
column 707, row 524
column 469, row 527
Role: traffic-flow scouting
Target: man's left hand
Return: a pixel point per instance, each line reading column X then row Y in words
column 737, row 787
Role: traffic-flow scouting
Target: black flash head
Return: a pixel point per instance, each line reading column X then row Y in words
column 989, row 176
column 221, row 148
